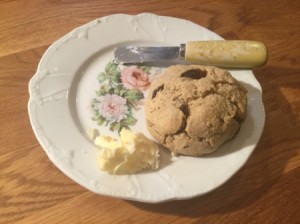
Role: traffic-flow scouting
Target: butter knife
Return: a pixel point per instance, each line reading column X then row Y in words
column 224, row 53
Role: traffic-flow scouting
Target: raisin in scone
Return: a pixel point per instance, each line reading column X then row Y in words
column 193, row 109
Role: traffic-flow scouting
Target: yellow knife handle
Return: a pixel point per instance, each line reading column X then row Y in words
column 227, row 53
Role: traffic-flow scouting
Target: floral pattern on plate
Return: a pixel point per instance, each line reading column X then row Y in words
column 120, row 93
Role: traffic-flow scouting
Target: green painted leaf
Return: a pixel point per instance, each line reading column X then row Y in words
column 122, row 91
column 111, row 90
column 95, row 112
column 146, row 69
column 119, row 90
column 103, row 90
column 131, row 103
column 130, row 111
column 94, row 101
column 115, row 126
column 115, row 77
column 99, row 119
column 134, row 95
column 129, row 121
column 111, row 67
column 102, row 77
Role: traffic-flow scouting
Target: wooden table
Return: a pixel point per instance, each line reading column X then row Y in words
column 265, row 190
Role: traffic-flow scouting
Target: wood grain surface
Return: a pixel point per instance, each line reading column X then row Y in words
column 265, row 190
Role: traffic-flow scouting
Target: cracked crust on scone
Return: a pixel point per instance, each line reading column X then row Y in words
column 193, row 109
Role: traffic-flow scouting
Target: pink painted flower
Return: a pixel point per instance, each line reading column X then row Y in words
column 112, row 107
column 133, row 78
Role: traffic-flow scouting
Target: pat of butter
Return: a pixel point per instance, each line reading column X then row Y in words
column 132, row 153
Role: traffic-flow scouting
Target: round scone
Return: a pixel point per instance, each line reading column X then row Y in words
column 193, row 109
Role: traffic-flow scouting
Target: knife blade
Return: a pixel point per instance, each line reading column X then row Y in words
column 227, row 53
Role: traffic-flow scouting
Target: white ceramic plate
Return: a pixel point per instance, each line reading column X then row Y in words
column 65, row 86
